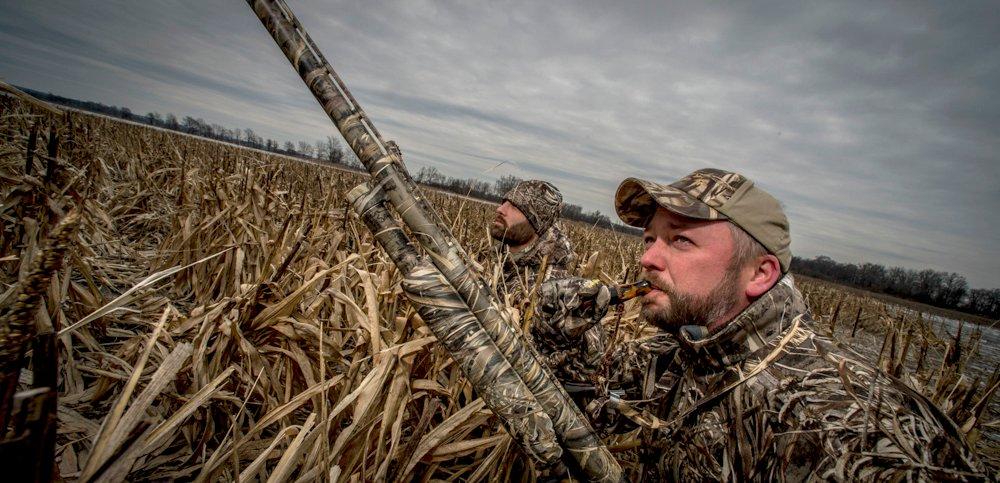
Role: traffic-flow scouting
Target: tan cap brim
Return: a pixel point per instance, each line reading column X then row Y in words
column 636, row 201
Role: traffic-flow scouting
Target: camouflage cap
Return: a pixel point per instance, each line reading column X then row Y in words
column 711, row 194
column 539, row 200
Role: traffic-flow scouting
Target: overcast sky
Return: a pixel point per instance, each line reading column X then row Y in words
column 876, row 125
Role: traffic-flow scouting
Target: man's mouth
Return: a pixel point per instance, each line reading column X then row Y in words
column 654, row 290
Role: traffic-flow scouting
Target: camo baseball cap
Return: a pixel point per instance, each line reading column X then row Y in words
column 540, row 201
column 711, row 194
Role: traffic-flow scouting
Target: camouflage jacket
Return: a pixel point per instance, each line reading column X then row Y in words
column 767, row 398
column 572, row 361
column 520, row 269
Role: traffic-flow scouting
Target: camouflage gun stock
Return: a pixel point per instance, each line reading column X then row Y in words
column 454, row 301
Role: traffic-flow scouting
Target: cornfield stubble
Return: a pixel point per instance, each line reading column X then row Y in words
column 221, row 316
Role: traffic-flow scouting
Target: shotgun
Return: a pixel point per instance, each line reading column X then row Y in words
column 457, row 304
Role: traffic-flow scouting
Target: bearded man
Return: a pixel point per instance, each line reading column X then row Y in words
column 737, row 385
column 526, row 226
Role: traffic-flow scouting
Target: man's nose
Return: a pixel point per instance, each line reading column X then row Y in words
column 645, row 260
column 652, row 258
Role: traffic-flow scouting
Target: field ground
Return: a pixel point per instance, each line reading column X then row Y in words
column 221, row 315
column 917, row 306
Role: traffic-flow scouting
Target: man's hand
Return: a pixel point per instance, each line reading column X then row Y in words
column 569, row 306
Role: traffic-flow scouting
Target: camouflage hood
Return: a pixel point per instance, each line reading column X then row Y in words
column 539, row 201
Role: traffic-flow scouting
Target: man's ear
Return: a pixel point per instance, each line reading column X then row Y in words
column 766, row 273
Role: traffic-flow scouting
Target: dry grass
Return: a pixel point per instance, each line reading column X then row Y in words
column 220, row 316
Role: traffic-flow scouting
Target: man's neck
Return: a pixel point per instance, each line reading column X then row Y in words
column 734, row 312
column 523, row 246
column 723, row 321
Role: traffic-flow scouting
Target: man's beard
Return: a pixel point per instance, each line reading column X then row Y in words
column 686, row 309
column 516, row 235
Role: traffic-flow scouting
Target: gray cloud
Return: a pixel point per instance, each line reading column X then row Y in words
column 874, row 124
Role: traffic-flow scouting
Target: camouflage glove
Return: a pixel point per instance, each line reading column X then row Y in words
column 568, row 307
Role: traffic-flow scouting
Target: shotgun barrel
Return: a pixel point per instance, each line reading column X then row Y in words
column 455, row 301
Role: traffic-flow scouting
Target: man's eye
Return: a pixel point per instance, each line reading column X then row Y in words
column 682, row 240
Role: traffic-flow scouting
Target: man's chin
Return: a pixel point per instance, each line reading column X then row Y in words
column 517, row 235
column 659, row 317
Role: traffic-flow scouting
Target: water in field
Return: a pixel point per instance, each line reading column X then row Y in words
column 981, row 364
column 988, row 353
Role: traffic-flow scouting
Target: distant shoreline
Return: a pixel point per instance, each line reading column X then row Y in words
column 917, row 306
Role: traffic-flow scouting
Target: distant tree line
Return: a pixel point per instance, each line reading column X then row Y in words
column 940, row 289
column 328, row 149
column 494, row 192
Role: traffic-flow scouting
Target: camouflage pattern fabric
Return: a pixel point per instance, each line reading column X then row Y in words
column 521, row 269
column 571, row 306
column 570, row 334
column 571, row 362
column 540, row 201
column 767, row 398
column 696, row 195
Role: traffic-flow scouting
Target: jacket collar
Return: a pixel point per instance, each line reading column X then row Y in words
column 551, row 242
column 761, row 324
